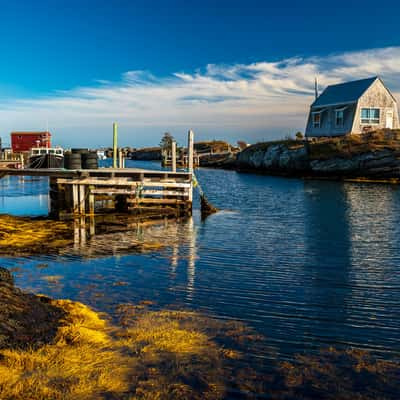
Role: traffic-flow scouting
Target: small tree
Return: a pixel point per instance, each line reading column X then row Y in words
column 166, row 144
column 166, row 141
column 299, row 135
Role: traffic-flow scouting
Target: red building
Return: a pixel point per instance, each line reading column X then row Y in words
column 24, row 141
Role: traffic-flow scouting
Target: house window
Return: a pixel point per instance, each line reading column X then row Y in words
column 339, row 119
column 317, row 120
column 370, row 116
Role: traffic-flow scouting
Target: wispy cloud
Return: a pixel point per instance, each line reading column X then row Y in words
column 243, row 101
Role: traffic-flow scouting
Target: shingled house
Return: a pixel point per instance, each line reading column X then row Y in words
column 351, row 108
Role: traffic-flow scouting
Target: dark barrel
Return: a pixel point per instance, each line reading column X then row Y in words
column 90, row 160
column 79, row 151
column 72, row 160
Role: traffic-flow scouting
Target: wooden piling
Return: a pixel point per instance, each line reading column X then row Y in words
column 82, row 199
column 91, row 201
column 75, row 203
column 120, row 159
column 173, row 150
column 115, row 144
column 190, row 150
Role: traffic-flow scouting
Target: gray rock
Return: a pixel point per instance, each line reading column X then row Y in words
column 278, row 157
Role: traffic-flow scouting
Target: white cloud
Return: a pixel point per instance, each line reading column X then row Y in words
column 256, row 101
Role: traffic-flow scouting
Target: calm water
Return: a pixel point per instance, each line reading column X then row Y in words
column 306, row 263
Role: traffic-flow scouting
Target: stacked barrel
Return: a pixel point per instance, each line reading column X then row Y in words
column 81, row 159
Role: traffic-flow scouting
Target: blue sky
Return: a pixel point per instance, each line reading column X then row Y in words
column 228, row 69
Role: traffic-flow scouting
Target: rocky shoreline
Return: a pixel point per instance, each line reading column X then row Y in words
column 373, row 157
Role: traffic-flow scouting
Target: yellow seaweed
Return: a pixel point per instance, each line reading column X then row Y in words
column 160, row 355
column 27, row 235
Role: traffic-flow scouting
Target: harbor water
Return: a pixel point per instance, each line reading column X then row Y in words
column 306, row 264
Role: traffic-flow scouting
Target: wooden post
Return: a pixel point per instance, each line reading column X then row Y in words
column 91, row 202
column 82, row 199
column 92, row 229
column 173, row 144
column 190, row 194
column 120, row 158
column 115, row 144
column 75, row 198
column 190, row 151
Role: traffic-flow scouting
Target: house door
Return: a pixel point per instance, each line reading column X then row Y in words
column 389, row 119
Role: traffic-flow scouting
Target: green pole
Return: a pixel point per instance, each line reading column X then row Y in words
column 115, row 144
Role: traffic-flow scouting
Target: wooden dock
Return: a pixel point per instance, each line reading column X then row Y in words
column 82, row 192
column 147, row 192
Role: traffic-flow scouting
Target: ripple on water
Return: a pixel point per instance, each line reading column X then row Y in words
column 307, row 264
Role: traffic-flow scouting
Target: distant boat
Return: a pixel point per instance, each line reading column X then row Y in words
column 46, row 157
column 101, row 155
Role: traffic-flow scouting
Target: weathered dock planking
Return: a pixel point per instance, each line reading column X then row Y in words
column 77, row 192
column 127, row 189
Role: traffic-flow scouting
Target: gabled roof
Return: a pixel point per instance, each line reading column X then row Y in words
column 343, row 93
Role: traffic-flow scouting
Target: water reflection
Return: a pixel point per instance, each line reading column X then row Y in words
column 328, row 261
column 24, row 195
column 307, row 264
column 375, row 261
column 352, row 263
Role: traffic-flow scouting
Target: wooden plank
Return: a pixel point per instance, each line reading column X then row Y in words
column 123, row 182
column 152, row 192
column 103, row 172
column 111, row 191
column 155, row 201
column 149, row 192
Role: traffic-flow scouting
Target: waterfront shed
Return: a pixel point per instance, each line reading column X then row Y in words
column 24, row 141
column 352, row 108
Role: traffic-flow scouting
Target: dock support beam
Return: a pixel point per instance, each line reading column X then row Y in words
column 82, row 199
column 190, row 151
column 115, row 144
column 75, row 199
column 120, row 159
column 173, row 144
column 91, row 202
